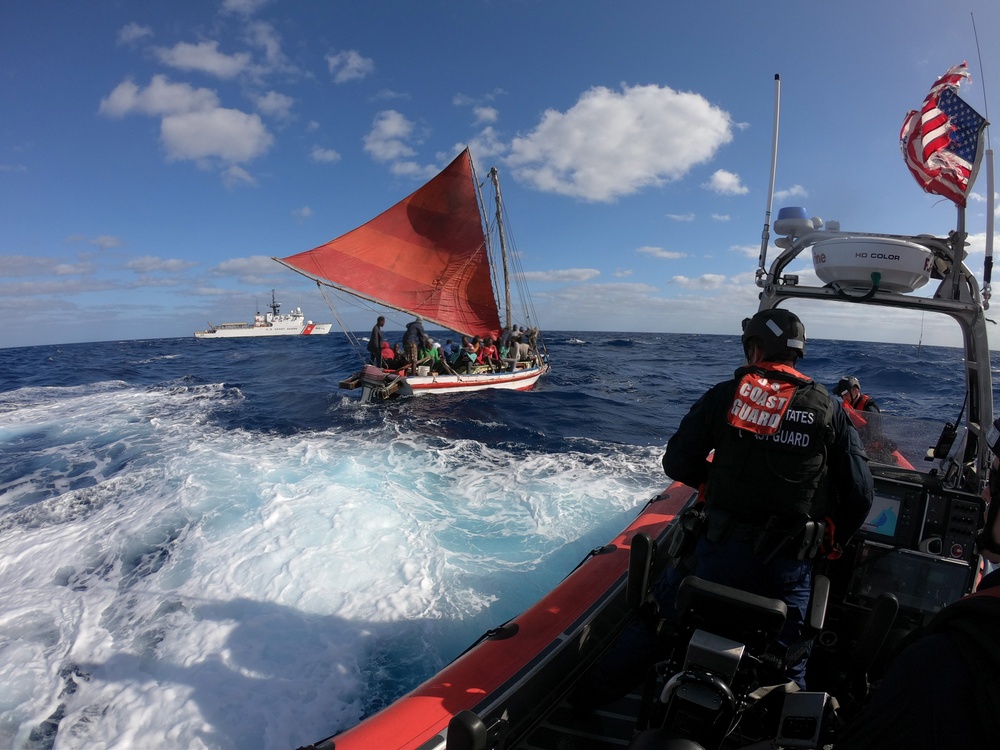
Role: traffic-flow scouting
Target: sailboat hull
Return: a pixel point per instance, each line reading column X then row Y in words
column 379, row 385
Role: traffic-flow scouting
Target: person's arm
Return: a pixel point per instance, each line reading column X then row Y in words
column 686, row 456
column 850, row 478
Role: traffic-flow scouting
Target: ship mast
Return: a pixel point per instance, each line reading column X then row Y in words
column 503, row 245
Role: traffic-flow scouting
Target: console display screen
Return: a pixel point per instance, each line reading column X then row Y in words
column 918, row 581
column 883, row 517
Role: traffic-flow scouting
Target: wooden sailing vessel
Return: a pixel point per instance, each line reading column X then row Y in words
column 432, row 255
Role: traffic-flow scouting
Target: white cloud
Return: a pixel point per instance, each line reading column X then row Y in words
column 349, row 66
column 681, row 217
column 246, row 7
column 194, row 126
column 204, row 57
column 226, row 134
column 233, row 176
column 159, row 98
column 486, row 145
column 750, row 251
column 485, row 114
column 387, row 139
column 324, row 155
column 257, row 269
column 611, row 144
column 720, row 217
column 795, row 191
column 151, row 264
column 133, row 32
column 705, row 281
column 73, row 269
column 274, row 104
column 302, row 213
column 263, row 35
column 726, row 183
column 566, row 274
column 622, row 273
column 106, row 241
column 25, row 265
column 659, row 252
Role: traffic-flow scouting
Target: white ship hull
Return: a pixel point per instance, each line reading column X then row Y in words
column 269, row 324
column 300, row 329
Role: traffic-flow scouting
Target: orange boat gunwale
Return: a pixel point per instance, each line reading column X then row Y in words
column 489, row 677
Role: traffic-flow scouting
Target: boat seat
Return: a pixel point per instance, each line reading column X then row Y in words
column 730, row 612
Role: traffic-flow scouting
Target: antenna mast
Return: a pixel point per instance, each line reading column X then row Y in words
column 990, row 193
column 766, row 234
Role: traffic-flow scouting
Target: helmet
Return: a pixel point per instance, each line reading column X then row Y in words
column 846, row 383
column 775, row 331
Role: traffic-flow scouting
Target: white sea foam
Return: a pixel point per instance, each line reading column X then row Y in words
column 168, row 582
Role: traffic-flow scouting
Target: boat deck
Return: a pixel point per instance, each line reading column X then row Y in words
column 608, row 728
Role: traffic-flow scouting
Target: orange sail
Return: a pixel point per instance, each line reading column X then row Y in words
column 428, row 255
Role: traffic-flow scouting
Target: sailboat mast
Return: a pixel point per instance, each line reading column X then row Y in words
column 503, row 245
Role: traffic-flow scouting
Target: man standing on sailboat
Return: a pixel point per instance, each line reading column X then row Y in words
column 375, row 342
column 412, row 340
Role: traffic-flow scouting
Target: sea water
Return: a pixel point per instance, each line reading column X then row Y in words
column 207, row 544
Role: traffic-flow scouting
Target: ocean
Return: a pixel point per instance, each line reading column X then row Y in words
column 207, row 544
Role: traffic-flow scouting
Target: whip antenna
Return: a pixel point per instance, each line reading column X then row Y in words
column 765, row 235
column 990, row 193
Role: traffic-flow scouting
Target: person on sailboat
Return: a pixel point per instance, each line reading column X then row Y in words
column 787, row 478
column 465, row 357
column 504, row 341
column 849, row 389
column 388, row 354
column 375, row 342
column 412, row 338
column 489, row 355
column 866, row 416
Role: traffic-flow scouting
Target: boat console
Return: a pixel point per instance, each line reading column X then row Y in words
column 916, row 548
column 918, row 542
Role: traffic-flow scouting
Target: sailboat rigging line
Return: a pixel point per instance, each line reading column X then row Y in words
column 524, row 300
column 355, row 343
column 509, row 257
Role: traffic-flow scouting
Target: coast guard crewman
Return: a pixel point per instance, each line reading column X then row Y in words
column 788, row 470
column 787, row 462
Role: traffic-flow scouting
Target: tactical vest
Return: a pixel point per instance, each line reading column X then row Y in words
column 755, row 474
column 863, row 400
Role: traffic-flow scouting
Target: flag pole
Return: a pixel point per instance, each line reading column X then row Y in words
column 765, row 235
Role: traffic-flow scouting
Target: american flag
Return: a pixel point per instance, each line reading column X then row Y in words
column 941, row 143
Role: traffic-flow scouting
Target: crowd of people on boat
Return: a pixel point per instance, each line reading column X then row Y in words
column 512, row 347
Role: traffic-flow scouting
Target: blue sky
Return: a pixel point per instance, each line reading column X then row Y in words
column 154, row 156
